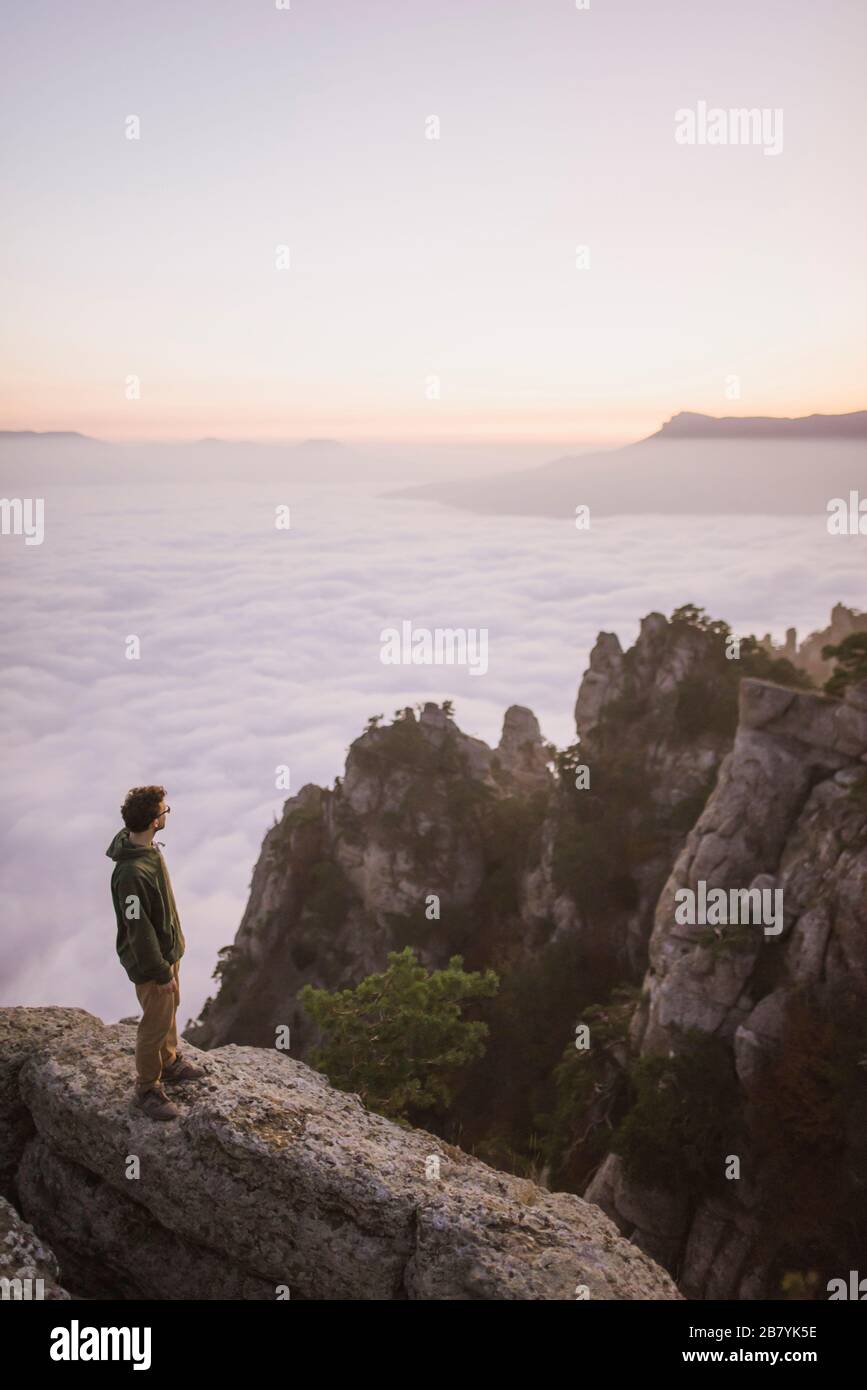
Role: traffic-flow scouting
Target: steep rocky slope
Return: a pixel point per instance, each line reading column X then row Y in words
column 347, row 874
column 434, row 840
column 269, row 1184
column 653, row 725
column 518, row 858
column 785, row 1012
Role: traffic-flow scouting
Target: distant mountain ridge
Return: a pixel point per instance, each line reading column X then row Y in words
column 317, row 442
column 693, row 465
column 49, row 434
column 687, row 424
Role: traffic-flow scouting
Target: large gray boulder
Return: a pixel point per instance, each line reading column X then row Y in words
column 271, row 1183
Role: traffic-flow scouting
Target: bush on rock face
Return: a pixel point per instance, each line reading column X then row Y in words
column 807, row 1114
column 851, row 658
column 398, row 1039
column 683, row 1119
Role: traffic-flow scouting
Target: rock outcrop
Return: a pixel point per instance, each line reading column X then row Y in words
column 789, row 813
column 808, row 655
column 269, row 1184
column 435, row 841
column 425, row 811
column 783, row 816
column 347, row 874
column 654, row 724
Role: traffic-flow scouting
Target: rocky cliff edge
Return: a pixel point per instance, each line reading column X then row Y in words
column 270, row 1179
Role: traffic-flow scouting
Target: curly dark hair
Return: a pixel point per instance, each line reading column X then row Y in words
column 141, row 806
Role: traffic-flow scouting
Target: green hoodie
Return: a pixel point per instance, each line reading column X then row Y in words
column 149, row 936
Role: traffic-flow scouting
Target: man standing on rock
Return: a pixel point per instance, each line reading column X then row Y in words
column 150, row 944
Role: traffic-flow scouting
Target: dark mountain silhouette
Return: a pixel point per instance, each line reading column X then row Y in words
column 689, row 425
column 695, row 464
column 55, row 436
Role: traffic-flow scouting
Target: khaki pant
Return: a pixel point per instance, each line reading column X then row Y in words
column 156, row 1043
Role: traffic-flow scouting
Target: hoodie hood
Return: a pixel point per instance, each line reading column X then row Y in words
column 120, row 848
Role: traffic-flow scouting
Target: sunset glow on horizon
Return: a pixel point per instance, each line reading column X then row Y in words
column 285, row 252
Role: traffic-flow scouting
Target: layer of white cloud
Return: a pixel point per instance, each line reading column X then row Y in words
column 261, row 647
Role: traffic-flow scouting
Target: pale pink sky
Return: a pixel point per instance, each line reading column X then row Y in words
column 413, row 259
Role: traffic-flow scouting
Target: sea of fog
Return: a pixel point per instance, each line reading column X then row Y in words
column 260, row 647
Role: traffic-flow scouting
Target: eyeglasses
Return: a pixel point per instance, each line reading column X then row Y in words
column 164, row 811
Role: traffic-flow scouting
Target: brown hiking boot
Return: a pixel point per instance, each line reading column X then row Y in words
column 182, row 1070
column 154, row 1103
